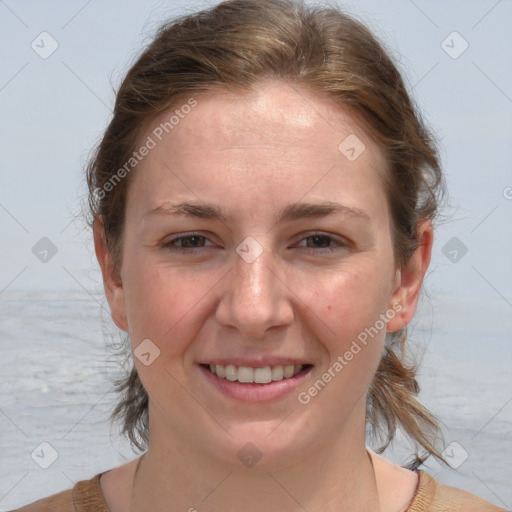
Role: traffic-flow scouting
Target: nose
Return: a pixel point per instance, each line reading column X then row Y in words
column 255, row 297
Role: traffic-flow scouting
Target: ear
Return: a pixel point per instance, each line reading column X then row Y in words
column 408, row 280
column 111, row 278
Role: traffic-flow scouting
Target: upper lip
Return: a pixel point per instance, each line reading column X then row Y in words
column 254, row 363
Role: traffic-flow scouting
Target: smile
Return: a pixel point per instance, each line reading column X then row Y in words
column 262, row 375
column 255, row 383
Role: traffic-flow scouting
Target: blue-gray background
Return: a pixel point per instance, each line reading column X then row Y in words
column 57, row 365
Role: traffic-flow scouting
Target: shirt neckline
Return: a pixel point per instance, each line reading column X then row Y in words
column 417, row 493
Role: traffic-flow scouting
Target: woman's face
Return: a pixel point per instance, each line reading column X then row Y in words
column 284, row 257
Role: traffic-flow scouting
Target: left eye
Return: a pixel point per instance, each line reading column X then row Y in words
column 323, row 241
column 189, row 243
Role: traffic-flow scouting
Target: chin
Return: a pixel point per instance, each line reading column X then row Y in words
column 265, row 445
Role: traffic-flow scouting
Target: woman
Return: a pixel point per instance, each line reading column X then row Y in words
column 263, row 204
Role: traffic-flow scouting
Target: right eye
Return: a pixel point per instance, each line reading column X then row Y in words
column 186, row 243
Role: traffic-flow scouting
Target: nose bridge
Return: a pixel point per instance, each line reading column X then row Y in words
column 255, row 298
column 253, row 281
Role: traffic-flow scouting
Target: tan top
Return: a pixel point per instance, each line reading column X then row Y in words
column 431, row 496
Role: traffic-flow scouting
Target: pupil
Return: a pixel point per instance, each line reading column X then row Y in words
column 188, row 241
column 316, row 238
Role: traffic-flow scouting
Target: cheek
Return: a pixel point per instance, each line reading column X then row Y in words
column 165, row 303
column 347, row 303
column 152, row 299
column 347, row 310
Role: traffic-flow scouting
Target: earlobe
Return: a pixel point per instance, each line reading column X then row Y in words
column 408, row 280
column 112, row 283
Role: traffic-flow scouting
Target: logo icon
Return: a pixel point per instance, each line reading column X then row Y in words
column 455, row 455
column 249, row 455
column 352, row 147
column 146, row 352
column 249, row 249
column 454, row 250
column 44, row 250
column 44, row 455
column 454, row 45
column 44, row 45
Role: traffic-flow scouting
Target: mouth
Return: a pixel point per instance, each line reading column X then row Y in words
column 260, row 375
column 260, row 383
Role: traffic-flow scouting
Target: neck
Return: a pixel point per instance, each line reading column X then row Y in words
column 338, row 475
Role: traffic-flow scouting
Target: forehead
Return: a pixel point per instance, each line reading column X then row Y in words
column 257, row 115
column 276, row 141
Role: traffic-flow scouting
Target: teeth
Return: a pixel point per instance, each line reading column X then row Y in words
column 288, row 371
column 277, row 373
column 245, row 374
column 262, row 375
column 229, row 372
column 219, row 370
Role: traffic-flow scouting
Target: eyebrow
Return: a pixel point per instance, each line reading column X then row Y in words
column 293, row 211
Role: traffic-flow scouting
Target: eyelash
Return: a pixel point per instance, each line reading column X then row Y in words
column 188, row 250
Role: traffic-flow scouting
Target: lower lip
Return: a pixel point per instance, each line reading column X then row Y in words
column 253, row 392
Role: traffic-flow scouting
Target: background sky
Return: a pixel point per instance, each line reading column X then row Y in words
column 54, row 109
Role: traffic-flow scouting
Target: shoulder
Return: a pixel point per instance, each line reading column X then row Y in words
column 61, row 502
column 85, row 495
column 433, row 496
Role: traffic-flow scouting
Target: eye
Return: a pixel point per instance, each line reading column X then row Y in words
column 322, row 243
column 186, row 243
column 319, row 243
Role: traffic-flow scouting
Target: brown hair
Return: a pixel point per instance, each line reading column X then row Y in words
column 240, row 43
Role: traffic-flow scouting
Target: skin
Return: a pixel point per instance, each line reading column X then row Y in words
column 254, row 154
